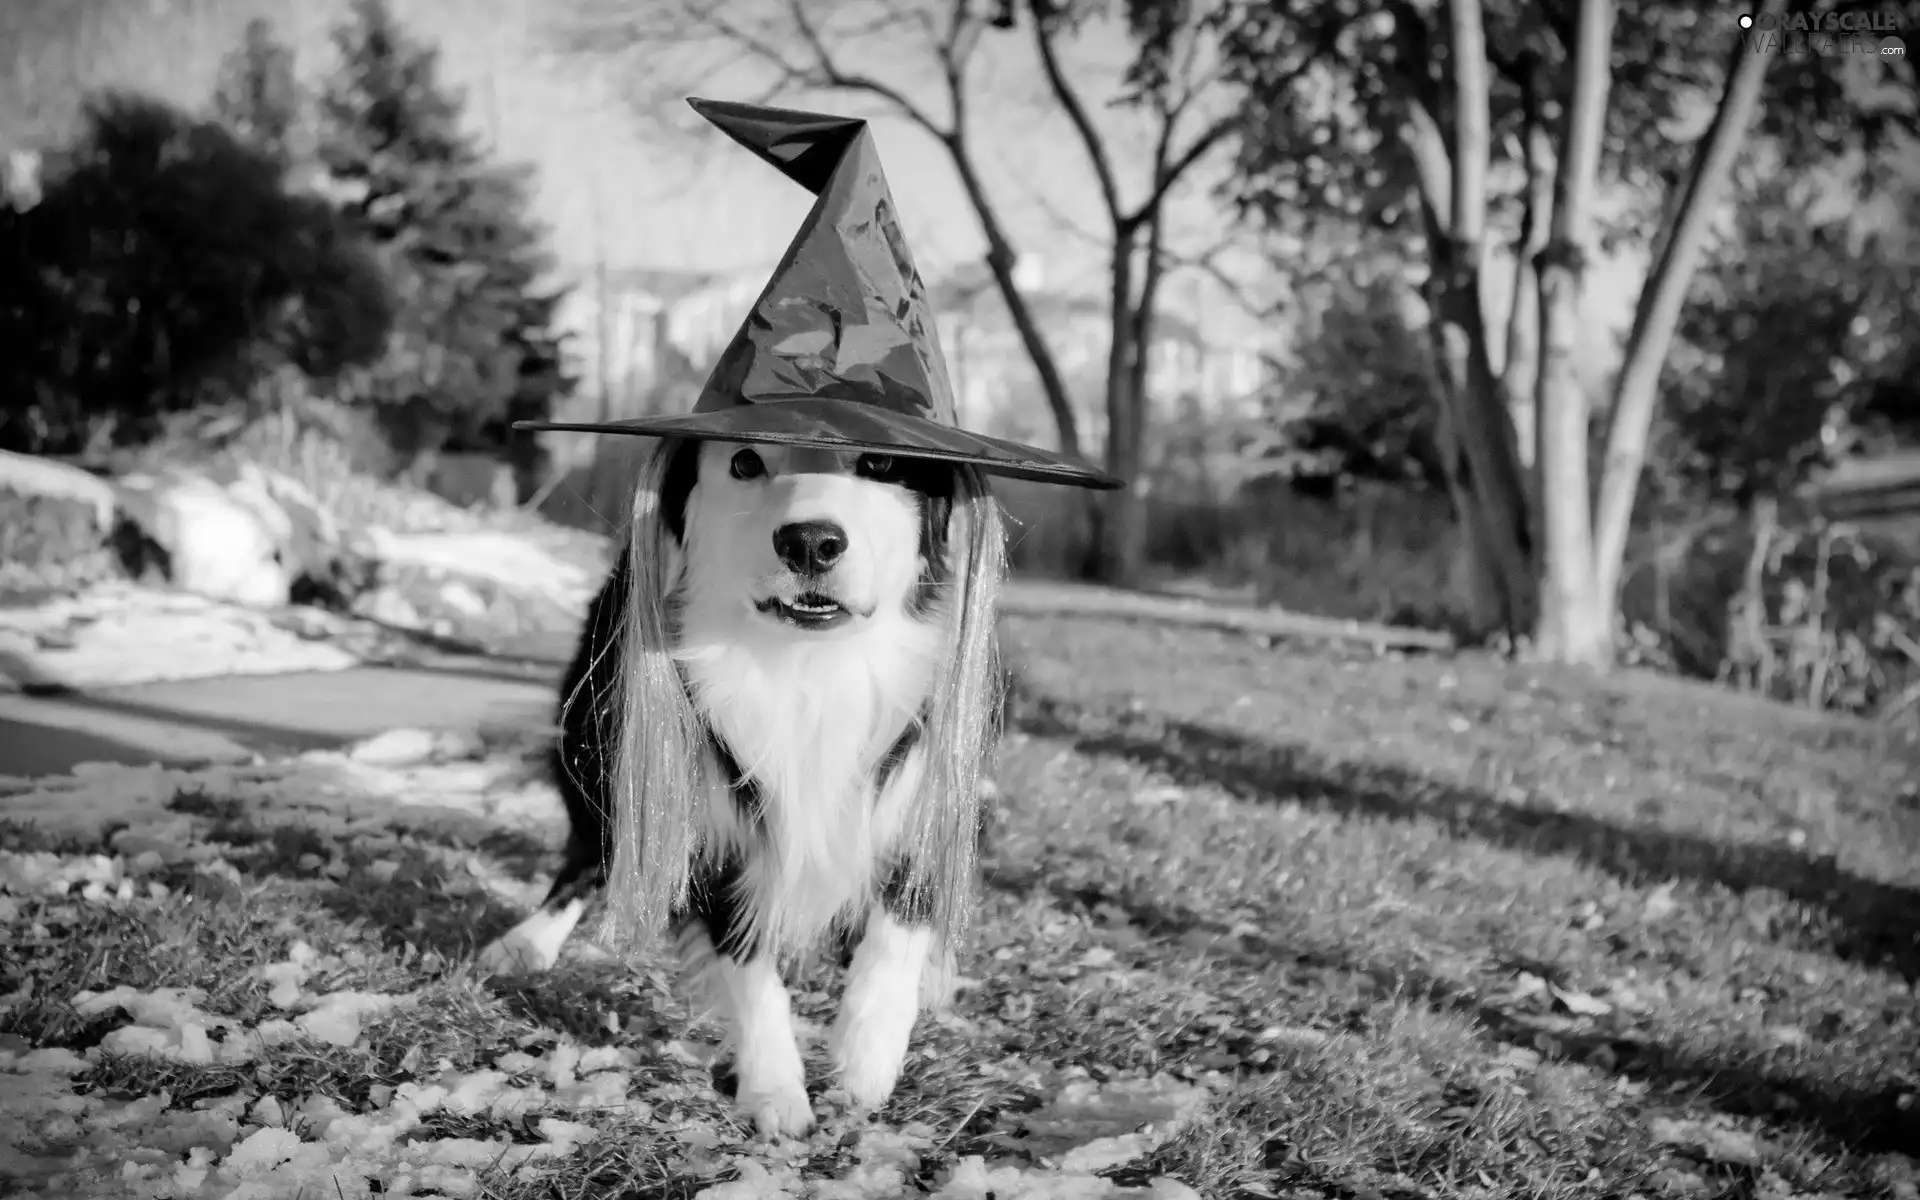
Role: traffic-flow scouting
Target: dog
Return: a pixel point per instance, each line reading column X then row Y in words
column 772, row 734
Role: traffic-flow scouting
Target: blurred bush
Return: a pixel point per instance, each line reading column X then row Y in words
column 50, row 545
column 1835, row 622
column 165, row 265
column 1369, row 551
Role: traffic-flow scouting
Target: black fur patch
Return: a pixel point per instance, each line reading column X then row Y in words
column 907, row 905
column 934, row 485
column 714, row 899
column 896, row 755
column 683, row 471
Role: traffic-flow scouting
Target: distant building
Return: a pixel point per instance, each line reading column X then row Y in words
column 1190, row 367
column 642, row 337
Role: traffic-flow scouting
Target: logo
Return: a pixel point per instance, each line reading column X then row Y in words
column 1874, row 34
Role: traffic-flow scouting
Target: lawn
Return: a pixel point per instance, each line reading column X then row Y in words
column 1257, row 920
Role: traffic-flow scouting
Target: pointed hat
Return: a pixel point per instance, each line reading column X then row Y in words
column 840, row 350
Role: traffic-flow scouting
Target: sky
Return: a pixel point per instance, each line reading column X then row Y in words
column 627, row 175
column 610, row 184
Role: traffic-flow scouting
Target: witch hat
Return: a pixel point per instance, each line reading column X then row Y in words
column 840, row 350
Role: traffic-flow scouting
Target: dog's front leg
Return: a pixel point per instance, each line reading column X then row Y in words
column 870, row 1034
column 772, row 1082
column 747, row 994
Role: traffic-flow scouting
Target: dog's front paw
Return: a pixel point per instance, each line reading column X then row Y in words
column 776, row 1110
column 534, row 944
column 867, row 1068
column 512, row 954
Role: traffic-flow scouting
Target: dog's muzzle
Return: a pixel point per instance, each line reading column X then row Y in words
column 809, row 549
column 808, row 610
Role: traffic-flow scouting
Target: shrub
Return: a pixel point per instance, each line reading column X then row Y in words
column 50, row 545
column 166, row 263
column 336, row 451
column 1836, row 625
column 1368, row 552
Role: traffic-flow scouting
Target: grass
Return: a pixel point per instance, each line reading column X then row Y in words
column 1425, row 927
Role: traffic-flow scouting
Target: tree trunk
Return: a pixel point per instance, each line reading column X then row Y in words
column 1454, row 202
column 1498, row 487
column 1520, row 363
column 1572, row 626
column 1125, row 525
column 1635, row 390
column 1519, row 366
column 1476, row 578
column 1000, row 261
column 1119, row 539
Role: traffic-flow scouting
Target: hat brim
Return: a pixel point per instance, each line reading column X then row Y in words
column 827, row 424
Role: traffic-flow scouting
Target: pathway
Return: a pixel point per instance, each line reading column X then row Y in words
column 234, row 717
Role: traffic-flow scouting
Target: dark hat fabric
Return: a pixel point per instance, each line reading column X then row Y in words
column 840, row 350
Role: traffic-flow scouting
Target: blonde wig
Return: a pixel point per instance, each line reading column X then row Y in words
column 665, row 775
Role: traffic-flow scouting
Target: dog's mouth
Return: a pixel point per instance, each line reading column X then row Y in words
column 808, row 610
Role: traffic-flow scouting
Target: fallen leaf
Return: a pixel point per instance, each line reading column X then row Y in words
column 1713, row 1142
column 1579, row 1003
column 1659, row 903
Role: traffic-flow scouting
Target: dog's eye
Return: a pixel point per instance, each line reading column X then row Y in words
column 875, row 466
column 747, row 465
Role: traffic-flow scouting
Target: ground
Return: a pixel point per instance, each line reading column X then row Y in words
column 1260, row 918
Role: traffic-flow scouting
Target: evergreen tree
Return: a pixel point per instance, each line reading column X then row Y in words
column 257, row 96
column 475, row 337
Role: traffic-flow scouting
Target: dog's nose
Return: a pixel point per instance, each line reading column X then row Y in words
column 810, row 546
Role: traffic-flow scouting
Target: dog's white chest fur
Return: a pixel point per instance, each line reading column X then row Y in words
column 808, row 720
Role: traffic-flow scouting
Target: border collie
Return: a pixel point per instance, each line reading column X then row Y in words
column 772, row 733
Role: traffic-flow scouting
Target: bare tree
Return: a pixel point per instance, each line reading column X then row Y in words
column 1545, row 559
column 1177, row 74
column 1450, row 170
column 1656, row 316
column 1583, row 545
column 1566, row 570
column 810, row 47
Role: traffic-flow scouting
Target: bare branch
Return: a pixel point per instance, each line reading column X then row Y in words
column 1431, row 163
column 1184, row 73
column 1043, row 198
column 1077, row 113
column 832, row 76
column 754, row 46
column 956, row 49
column 1219, row 131
column 1208, row 264
column 1470, row 136
column 1636, row 387
column 1201, row 146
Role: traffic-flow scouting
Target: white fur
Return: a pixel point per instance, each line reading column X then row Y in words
column 534, row 944
column 808, row 714
column 868, row 1043
column 752, row 1003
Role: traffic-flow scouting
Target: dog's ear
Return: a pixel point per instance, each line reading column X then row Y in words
column 676, row 488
